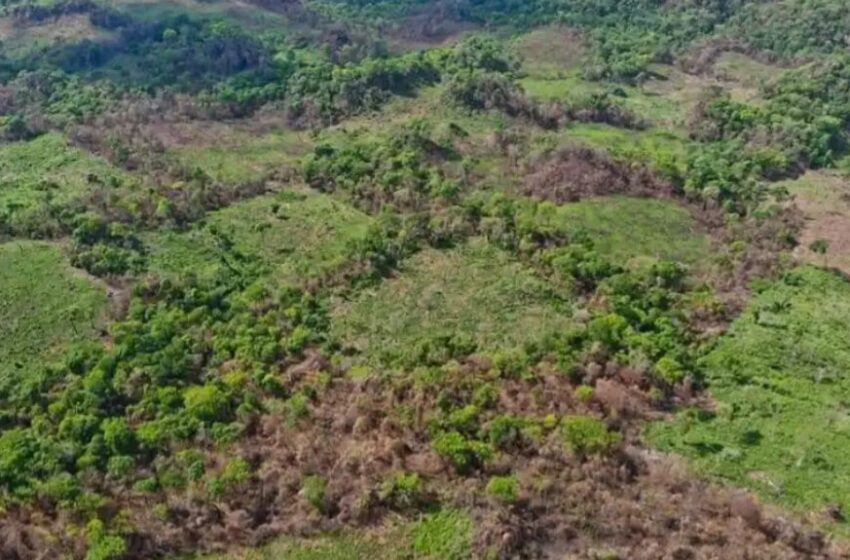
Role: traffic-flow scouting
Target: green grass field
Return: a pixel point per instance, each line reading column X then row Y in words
column 781, row 382
column 294, row 235
column 441, row 535
column 44, row 306
column 242, row 156
column 47, row 168
column 474, row 290
column 628, row 229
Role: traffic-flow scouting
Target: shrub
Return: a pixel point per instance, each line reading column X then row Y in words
column 234, row 474
column 505, row 431
column 584, row 393
column 402, row 491
column 102, row 545
column 118, row 436
column 586, row 435
column 313, row 491
column 462, row 453
column 669, row 370
column 609, row 330
column 504, row 489
column 207, row 403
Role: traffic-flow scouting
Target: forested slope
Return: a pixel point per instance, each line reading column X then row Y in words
column 423, row 279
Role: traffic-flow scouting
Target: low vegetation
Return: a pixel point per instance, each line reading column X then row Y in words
column 404, row 279
column 46, row 307
column 778, row 379
column 476, row 290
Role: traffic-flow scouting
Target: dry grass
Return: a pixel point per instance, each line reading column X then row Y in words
column 825, row 201
column 550, row 50
column 17, row 37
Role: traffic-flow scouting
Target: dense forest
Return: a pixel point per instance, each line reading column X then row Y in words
column 431, row 279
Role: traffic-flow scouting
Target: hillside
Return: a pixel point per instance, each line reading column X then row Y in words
column 424, row 279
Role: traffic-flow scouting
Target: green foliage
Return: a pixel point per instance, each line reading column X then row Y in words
column 505, row 432
column 313, row 490
column 446, row 534
column 464, row 454
column 505, row 489
column 102, row 544
column 584, row 393
column 46, row 308
column 234, row 474
column 378, row 174
column 402, row 491
column 207, row 403
column 780, row 390
column 175, row 333
column 586, row 435
column 669, row 370
column 793, row 29
column 105, row 249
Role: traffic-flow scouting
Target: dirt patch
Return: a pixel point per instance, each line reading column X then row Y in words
column 65, row 28
column 824, row 200
column 549, row 50
column 576, row 173
column 434, row 24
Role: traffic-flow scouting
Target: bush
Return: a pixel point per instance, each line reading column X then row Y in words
column 118, row 436
column 207, row 403
column 586, row 435
column 504, row 432
column 102, row 545
column 462, row 453
column 313, row 491
column 584, row 393
column 402, row 491
column 669, row 370
column 234, row 474
column 505, row 489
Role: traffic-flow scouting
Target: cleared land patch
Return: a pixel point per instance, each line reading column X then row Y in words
column 550, row 50
column 237, row 153
column 19, row 39
column 625, row 229
column 293, row 235
column 781, row 424
column 746, row 73
column 475, row 291
column 44, row 307
column 47, row 171
column 825, row 201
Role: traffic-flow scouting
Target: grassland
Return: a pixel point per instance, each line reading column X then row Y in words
column 44, row 306
column 781, row 423
column 440, row 535
column 745, row 73
column 240, row 155
column 474, row 290
column 824, row 199
column 47, row 169
column 626, row 229
column 19, row 40
column 294, row 235
column 550, row 51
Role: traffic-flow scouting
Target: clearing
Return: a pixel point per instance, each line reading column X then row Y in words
column 475, row 291
column 45, row 306
column 781, row 423
column 294, row 235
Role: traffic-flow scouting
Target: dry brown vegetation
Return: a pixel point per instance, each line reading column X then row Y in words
column 357, row 434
